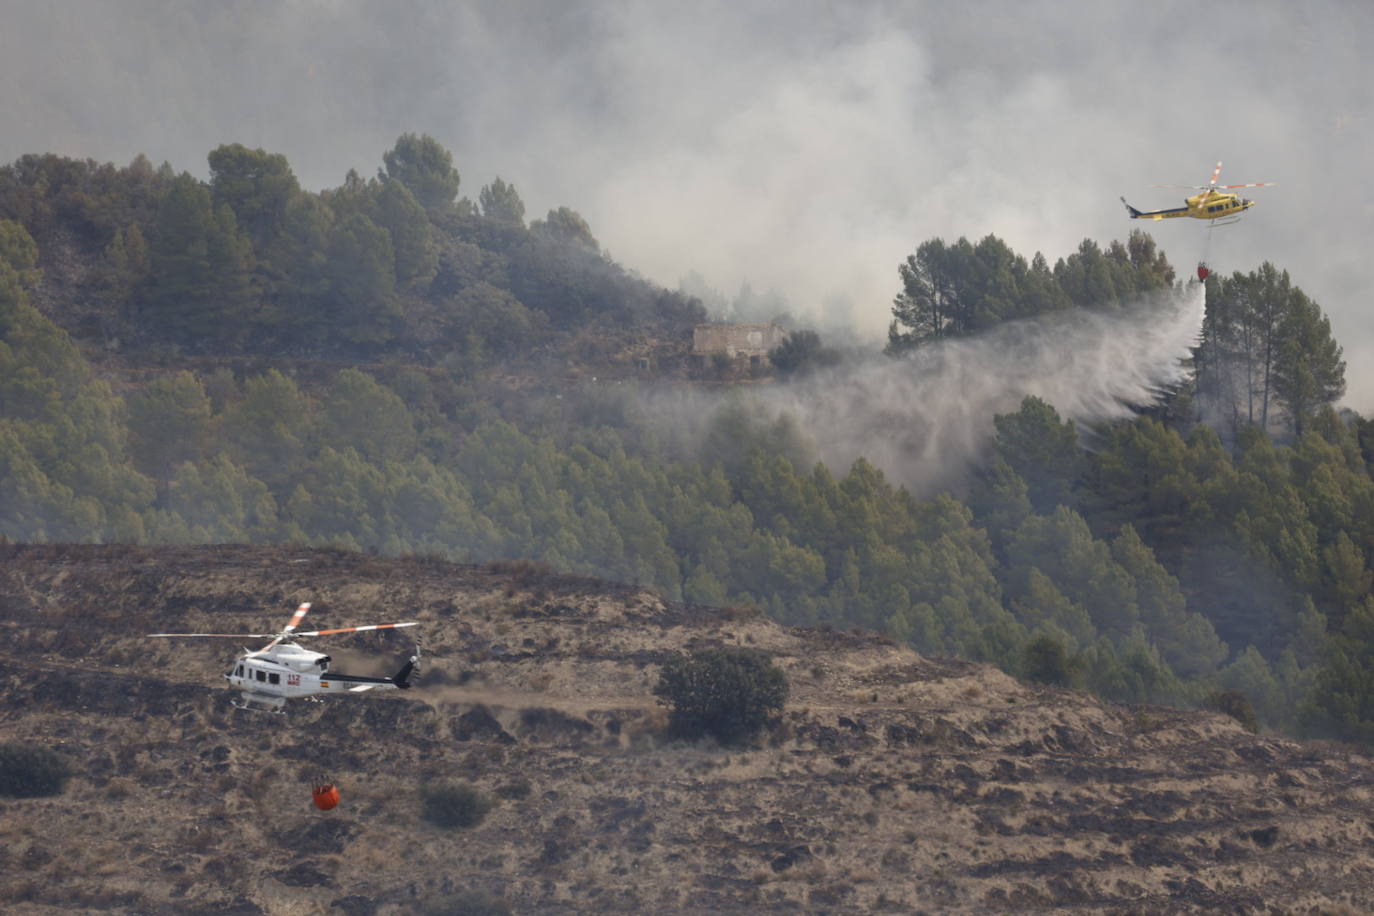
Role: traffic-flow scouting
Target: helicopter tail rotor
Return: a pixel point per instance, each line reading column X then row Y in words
column 402, row 678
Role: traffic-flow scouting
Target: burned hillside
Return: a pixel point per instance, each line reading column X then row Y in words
column 892, row 783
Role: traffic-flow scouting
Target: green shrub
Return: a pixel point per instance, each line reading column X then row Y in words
column 455, row 805
column 1044, row 660
column 727, row 693
column 31, row 772
column 1236, row 705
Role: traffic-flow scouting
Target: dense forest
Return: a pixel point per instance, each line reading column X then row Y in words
column 241, row 360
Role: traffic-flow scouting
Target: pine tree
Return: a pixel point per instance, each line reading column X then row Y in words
column 359, row 412
column 421, row 164
column 501, row 202
column 1342, row 701
column 360, row 266
column 929, row 303
column 169, row 423
column 1043, row 451
column 201, row 293
column 411, row 239
column 256, row 185
column 268, row 431
column 1308, row 371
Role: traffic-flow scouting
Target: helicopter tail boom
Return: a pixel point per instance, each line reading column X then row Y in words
column 1155, row 214
column 355, row 683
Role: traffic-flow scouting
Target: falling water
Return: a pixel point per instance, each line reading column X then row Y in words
column 926, row 419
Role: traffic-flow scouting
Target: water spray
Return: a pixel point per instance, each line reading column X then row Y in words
column 927, row 418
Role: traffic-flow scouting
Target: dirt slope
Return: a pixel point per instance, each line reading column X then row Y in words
column 895, row 783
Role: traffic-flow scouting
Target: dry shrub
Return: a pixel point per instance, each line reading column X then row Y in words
column 31, row 772
column 783, row 732
column 467, row 903
column 455, row 805
column 196, row 838
column 651, row 723
column 742, row 611
column 813, row 871
column 521, row 572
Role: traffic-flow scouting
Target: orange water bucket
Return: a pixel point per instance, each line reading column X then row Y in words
column 325, row 797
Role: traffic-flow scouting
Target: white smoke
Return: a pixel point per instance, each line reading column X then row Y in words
column 926, row 419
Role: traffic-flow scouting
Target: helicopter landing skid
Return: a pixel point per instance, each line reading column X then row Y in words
column 259, row 703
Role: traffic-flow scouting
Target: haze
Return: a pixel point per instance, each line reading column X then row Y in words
column 802, row 147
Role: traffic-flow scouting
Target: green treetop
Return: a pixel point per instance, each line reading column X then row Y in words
column 420, row 163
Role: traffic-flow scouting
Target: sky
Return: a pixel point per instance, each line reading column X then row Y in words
column 805, row 147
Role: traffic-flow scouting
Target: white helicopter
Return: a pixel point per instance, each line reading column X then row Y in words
column 282, row 670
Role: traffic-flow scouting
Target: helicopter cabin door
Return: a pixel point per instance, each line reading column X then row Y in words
column 261, row 678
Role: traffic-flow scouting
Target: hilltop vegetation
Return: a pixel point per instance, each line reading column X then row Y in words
column 1179, row 561
column 249, row 263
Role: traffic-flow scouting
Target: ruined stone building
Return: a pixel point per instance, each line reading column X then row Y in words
column 736, row 341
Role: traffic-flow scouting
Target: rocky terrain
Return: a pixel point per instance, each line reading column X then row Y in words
column 893, row 784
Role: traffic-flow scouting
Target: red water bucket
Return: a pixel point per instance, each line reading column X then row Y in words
column 325, row 797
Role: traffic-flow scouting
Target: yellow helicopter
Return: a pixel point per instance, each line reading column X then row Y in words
column 1221, row 204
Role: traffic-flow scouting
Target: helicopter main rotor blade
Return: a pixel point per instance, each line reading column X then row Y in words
column 371, row 626
column 219, row 635
column 297, row 617
column 291, row 626
column 1213, row 186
